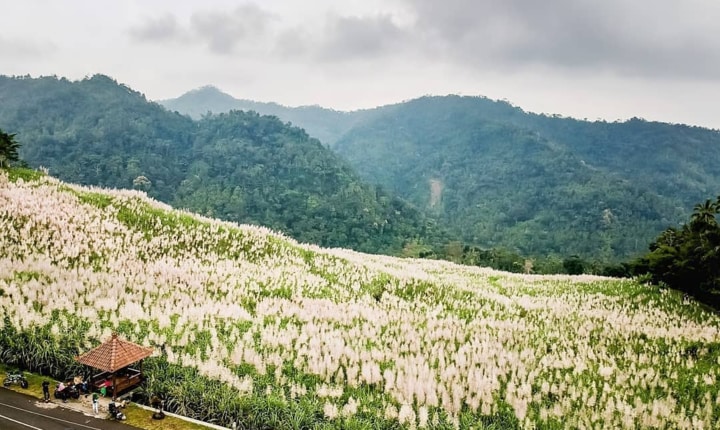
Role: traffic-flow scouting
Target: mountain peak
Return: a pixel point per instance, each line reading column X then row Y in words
column 207, row 91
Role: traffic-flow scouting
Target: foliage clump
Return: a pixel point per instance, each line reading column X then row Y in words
column 688, row 258
column 8, row 149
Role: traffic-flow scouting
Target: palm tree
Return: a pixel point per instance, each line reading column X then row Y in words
column 8, row 149
column 704, row 213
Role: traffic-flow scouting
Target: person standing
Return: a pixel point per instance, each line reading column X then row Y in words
column 95, row 400
column 61, row 389
column 46, row 390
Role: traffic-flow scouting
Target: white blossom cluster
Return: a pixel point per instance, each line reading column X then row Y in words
column 432, row 339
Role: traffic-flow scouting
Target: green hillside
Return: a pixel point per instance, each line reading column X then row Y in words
column 502, row 177
column 501, row 184
column 255, row 330
column 673, row 160
column 238, row 166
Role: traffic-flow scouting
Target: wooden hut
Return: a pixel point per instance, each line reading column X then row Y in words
column 114, row 358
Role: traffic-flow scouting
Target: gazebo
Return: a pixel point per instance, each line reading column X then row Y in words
column 114, row 358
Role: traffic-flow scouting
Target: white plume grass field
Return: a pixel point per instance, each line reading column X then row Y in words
column 356, row 340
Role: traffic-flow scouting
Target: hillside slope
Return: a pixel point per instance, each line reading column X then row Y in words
column 675, row 161
column 240, row 166
column 600, row 190
column 501, row 184
column 308, row 337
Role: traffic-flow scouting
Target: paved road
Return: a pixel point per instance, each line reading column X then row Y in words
column 23, row 412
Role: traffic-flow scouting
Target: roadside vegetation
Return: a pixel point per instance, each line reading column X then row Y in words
column 136, row 416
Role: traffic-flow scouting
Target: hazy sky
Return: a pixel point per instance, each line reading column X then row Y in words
column 610, row 59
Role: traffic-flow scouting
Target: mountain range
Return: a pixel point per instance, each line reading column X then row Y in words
column 498, row 176
column 327, row 125
column 435, row 176
column 238, row 166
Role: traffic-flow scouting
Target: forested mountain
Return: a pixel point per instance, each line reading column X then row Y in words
column 327, row 125
column 502, row 185
column 490, row 173
column 537, row 184
column 674, row 160
column 237, row 166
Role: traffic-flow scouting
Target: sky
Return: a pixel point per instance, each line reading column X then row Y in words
column 599, row 59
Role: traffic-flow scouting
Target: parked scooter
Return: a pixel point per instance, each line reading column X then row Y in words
column 16, row 379
column 65, row 392
column 115, row 413
column 81, row 384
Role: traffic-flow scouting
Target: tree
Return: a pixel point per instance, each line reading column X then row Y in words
column 574, row 265
column 705, row 213
column 8, row 149
column 688, row 259
column 142, row 183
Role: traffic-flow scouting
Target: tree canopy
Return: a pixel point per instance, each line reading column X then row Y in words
column 501, row 178
column 688, row 258
column 8, row 149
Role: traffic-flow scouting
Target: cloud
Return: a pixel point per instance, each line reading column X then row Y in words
column 293, row 43
column 223, row 32
column 661, row 38
column 359, row 37
column 159, row 29
column 24, row 48
column 645, row 39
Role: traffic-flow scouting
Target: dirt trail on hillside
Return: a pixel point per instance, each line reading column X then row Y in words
column 436, row 189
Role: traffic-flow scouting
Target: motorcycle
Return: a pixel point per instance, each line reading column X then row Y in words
column 70, row 391
column 16, row 379
column 115, row 413
column 83, row 387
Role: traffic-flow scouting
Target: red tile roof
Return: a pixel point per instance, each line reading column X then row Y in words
column 114, row 354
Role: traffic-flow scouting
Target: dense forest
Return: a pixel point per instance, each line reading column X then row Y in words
column 502, row 185
column 688, row 258
column 238, row 166
column 534, row 185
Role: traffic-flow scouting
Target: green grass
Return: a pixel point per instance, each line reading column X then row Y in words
column 34, row 381
column 142, row 418
column 16, row 173
column 94, row 199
